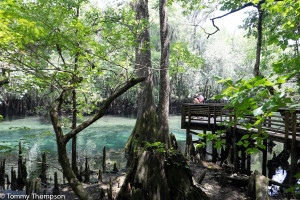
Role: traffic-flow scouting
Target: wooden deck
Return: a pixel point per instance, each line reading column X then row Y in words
column 209, row 117
column 283, row 127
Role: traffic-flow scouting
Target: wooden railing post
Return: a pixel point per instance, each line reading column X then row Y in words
column 215, row 117
column 204, row 148
column 287, row 129
column 248, row 164
column 183, row 116
column 214, row 150
column 265, row 158
column 235, row 150
column 208, row 118
column 294, row 157
column 187, row 142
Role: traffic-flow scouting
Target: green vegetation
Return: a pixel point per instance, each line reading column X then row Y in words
column 65, row 59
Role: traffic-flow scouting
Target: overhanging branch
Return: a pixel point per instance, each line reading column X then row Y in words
column 103, row 108
column 219, row 17
column 233, row 11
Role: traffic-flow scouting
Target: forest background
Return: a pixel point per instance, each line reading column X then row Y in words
column 52, row 49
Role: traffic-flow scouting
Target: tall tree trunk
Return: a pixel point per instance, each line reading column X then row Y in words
column 163, row 104
column 74, row 142
column 145, row 127
column 62, row 152
column 151, row 174
column 69, row 174
column 256, row 70
column 74, row 118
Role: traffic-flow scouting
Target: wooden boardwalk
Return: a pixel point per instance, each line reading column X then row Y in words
column 209, row 117
column 283, row 127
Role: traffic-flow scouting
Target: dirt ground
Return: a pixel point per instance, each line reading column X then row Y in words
column 209, row 185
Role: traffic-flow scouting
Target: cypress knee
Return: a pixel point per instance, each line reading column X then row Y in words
column 56, row 188
column 104, row 160
column 43, row 169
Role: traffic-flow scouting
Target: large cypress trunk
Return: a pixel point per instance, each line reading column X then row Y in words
column 155, row 175
column 163, row 104
column 145, row 127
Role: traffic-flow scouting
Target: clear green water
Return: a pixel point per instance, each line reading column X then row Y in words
column 109, row 131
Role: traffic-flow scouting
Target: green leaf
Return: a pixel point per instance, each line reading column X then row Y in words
column 221, row 81
column 258, row 111
column 245, row 137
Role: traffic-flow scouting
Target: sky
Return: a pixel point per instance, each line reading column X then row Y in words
column 231, row 22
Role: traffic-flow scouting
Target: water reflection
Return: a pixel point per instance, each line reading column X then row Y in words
column 280, row 175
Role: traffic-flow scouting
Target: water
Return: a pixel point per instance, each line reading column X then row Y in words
column 109, row 131
column 279, row 176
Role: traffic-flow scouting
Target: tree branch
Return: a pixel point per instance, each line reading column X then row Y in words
column 217, row 29
column 60, row 53
column 103, row 109
column 54, row 114
column 233, row 11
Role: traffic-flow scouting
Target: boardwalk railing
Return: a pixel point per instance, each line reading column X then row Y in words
column 283, row 127
column 203, row 116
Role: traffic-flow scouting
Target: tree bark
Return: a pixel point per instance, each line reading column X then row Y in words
column 145, row 127
column 62, row 152
column 256, row 70
column 164, row 90
column 74, row 146
column 153, row 177
column 151, row 174
column 74, row 110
